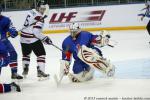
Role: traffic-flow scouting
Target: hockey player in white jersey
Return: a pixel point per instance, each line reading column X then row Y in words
column 32, row 39
column 146, row 14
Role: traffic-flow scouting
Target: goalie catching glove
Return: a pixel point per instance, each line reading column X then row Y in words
column 103, row 39
column 91, row 58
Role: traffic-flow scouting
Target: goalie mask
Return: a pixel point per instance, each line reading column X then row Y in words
column 74, row 30
column 41, row 6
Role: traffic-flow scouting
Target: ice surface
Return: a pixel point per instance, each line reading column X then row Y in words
column 131, row 56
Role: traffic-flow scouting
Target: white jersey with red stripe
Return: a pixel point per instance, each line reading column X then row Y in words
column 32, row 33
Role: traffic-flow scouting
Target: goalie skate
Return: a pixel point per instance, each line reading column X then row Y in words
column 90, row 57
column 73, row 78
column 42, row 76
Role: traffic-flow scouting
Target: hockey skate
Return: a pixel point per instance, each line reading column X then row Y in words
column 82, row 76
column 42, row 76
column 15, row 87
column 73, row 78
column 16, row 76
column 25, row 71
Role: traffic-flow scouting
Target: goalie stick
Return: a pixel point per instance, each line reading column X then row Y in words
column 58, row 81
column 112, row 43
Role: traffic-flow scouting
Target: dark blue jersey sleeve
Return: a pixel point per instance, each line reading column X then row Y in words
column 92, row 38
column 6, row 28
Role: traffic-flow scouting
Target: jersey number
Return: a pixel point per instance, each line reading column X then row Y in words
column 26, row 23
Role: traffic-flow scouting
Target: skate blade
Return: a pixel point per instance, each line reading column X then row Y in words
column 56, row 80
column 24, row 76
column 43, row 78
column 18, row 81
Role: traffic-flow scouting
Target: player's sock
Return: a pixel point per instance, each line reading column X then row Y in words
column 25, row 70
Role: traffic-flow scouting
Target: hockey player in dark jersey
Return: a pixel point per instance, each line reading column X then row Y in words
column 7, row 30
column 82, row 46
column 4, row 61
column 4, row 88
column 146, row 14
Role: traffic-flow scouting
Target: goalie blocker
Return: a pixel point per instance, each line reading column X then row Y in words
column 90, row 57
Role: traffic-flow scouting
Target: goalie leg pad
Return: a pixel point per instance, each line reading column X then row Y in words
column 82, row 76
column 90, row 57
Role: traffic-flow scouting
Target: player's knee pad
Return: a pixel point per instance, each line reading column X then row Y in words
column 82, row 76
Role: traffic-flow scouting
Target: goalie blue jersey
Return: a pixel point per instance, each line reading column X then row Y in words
column 71, row 46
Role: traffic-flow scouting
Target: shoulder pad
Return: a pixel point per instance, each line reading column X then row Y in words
column 32, row 12
column 7, row 19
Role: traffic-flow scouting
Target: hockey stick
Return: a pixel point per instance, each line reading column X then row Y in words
column 57, row 47
column 58, row 81
column 110, row 45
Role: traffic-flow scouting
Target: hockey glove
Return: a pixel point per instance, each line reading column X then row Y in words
column 47, row 40
column 102, row 40
column 12, row 32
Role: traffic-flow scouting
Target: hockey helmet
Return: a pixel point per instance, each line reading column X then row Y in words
column 41, row 6
column 41, row 3
column 147, row 3
column 74, row 30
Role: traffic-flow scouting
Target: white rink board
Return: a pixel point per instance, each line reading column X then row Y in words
column 113, row 16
